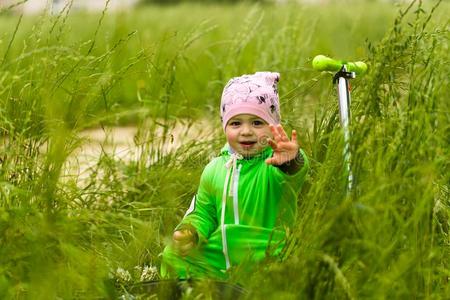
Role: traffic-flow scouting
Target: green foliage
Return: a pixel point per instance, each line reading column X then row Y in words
column 71, row 236
column 171, row 2
column 104, row 66
column 389, row 238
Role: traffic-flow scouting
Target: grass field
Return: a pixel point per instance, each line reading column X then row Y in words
column 162, row 67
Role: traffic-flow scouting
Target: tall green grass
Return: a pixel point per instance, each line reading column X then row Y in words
column 183, row 53
column 64, row 73
column 388, row 238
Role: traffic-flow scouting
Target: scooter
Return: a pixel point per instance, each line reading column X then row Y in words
column 344, row 72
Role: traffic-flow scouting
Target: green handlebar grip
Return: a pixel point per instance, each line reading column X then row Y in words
column 323, row 63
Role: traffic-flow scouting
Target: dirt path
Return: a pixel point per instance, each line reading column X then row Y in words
column 125, row 143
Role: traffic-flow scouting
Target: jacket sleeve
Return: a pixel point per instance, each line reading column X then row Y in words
column 201, row 214
column 294, row 175
column 292, row 184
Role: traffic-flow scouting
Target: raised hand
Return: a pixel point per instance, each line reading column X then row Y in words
column 284, row 149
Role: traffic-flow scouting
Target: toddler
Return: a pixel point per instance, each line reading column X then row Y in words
column 247, row 195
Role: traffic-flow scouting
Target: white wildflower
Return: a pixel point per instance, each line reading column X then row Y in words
column 149, row 273
column 122, row 275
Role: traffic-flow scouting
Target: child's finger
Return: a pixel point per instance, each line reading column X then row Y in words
column 282, row 133
column 269, row 161
column 274, row 131
column 178, row 235
column 294, row 136
column 186, row 247
column 183, row 244
column 273, row 161
column 272, row 144
column 182, row 235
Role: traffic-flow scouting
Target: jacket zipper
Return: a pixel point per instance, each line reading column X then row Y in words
column 234, row 186
column 235, row 195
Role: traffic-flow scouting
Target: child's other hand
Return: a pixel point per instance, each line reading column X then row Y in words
column 184, row 240
column 284, row 149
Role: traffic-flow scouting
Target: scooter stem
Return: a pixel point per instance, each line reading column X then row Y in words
column 341, row 78
column 345, row 71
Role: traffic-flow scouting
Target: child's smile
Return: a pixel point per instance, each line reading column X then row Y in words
column 247, row 144
column 247, row 134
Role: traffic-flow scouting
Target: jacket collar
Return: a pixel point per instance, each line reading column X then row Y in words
column 228, row 151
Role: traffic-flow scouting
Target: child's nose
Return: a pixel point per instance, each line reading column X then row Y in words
column 246, row 130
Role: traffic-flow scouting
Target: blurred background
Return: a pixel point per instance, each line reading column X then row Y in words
column 55, row 6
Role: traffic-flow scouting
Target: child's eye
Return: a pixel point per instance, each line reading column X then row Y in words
column 258, row 123
column 235, row 123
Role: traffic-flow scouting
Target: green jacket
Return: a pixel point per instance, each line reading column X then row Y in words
column 242, row 207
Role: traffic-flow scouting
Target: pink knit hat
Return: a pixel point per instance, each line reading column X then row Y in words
column 254, row 94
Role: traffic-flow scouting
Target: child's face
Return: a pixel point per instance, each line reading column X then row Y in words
column 247, row 134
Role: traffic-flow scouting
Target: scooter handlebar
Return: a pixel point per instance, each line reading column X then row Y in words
column 324, row 63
